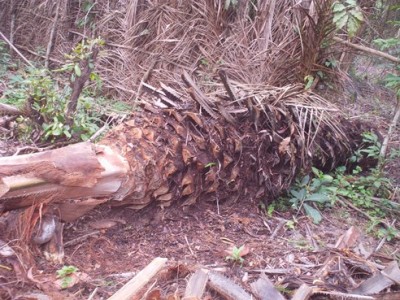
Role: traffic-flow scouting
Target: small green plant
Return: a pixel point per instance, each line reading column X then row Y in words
column 291, row 224
column 65, row 274
column 235, row 255
column 82, row 52
column 389, row 233
column 308, row 82
column 370, row 148
column 204, row 62
column 46, row 107
column 359, row 186
column 307, row 191
column 347, row 14
column 210, row 164
column 5, row 58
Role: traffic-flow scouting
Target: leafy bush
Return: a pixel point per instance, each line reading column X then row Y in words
column 44, row 102
column 359, row 186
column 5, row 58
column 43, row 96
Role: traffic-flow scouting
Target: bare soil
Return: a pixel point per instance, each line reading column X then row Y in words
column 192, row 237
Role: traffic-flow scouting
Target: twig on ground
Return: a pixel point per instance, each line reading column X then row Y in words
column 103, row 128
column 6, row 109
column 80, row 239
column 190, row 249
column 93, row 294
column 282, row 222
column 37, row 54
column 311, row 238
column 35, row 148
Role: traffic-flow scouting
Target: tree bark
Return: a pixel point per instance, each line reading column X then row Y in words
column 76, row 172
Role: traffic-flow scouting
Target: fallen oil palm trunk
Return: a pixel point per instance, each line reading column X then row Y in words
column 251, row 151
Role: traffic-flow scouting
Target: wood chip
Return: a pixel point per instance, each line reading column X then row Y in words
column 227, row 288
column 264, row 289
column 132, row 288
column 196, row 285
column 303, row 292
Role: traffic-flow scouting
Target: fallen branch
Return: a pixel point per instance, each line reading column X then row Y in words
column 37, row 54
column 368, row 50
column 16, row 50
column 6, row 109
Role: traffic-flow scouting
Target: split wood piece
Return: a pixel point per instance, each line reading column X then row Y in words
column 380, row 281
column 54, row 249
column 198, row 95
column 95, row 171
column 264, row 289
column 226, row 287
column 170, row 92
column 133, row 287
column 163, row 96
column 303, row 292
column 196, row 285
column 349, row 239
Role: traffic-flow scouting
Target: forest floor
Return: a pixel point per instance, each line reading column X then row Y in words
column 286, row 245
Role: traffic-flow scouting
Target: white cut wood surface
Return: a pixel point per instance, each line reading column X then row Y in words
column 133, row 286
